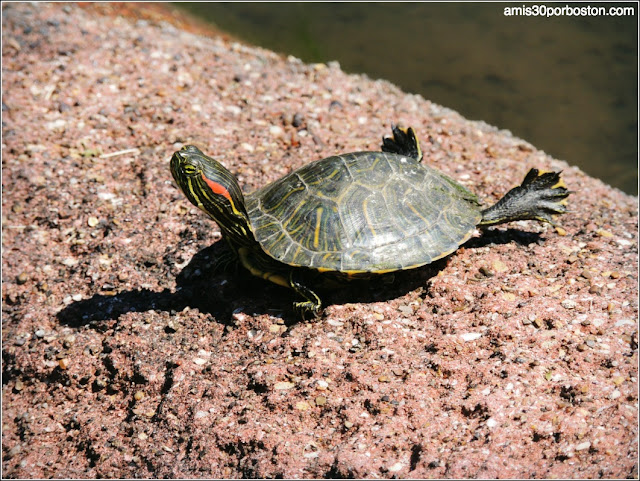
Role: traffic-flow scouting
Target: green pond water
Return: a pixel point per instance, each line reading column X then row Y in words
column 567, row 84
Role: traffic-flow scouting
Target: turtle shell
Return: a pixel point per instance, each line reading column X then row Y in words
column 371, row 212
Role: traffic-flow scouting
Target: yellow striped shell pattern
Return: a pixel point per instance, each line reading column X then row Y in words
column 362, row 212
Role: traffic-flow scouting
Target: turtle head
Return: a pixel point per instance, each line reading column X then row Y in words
column 212, row 188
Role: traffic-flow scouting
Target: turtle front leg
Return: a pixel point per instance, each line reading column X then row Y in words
column 266, row 268
column 227, row 261
column 311, row 306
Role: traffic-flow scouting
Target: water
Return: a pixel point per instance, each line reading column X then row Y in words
column 567, row 84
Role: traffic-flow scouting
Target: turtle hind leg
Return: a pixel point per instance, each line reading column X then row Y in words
column 540, row 196
column 311, row 307
column 404, row 142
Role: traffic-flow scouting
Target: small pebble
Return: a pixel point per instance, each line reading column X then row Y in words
column 252, row 333
column 586, row 274
column 233, row 109
column 22, row 278
column 303, row 406
column 583, row 446
column 138, row 396
column 485, row 271
column 499, row 266
column 625, row 322
column 509, row 296
column 335, row 104
column 100, row 383
column 276, row 131
column 470, row 336
column 320, row 401
column 298, row 120
column 595, row 289
column 64, row 363
column 604, row 233
column 92, row 221
column 14, row 451
column 283, row 385
column 171, row 327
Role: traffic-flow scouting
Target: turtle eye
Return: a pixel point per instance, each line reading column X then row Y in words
column 184, row 165
column 189, row 169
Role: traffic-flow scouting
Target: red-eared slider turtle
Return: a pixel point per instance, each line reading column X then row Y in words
column 353, row 215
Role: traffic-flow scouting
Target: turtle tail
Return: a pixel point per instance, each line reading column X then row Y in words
column 540, row 196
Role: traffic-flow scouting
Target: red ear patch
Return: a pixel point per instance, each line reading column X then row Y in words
column 217, row 188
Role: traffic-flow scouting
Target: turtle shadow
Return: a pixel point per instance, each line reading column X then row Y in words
column 202, row 284
column 501, row 236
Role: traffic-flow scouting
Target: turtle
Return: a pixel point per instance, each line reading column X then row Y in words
column 352, row 216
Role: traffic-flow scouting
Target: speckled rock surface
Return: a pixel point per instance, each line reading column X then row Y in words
column 126, row 355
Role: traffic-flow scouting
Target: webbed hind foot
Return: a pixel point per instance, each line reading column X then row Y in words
column 541, row 196
column 404, row 142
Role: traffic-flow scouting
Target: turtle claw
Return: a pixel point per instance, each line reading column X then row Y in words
column 306, row 310
column 311, row 307
column 404, row 142
column 540, row 196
